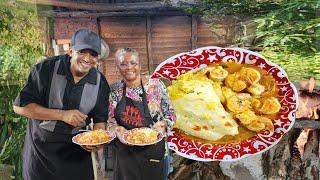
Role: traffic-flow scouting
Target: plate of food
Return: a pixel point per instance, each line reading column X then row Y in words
column 92, row 138
column 230, row 103
column 142, row 136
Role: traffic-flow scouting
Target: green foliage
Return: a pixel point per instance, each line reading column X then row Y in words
column 298, row 67
column 290, row 37
column 12, row 129
column 20, row 47
column 20, row 39
column 294, row 28
column 286, row 32
column 212, row 9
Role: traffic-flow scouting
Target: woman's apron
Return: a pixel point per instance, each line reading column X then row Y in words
column 137, row 162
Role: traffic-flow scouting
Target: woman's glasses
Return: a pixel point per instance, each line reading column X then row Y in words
column 127, row 65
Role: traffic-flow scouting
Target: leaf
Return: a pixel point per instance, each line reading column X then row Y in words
column 297, row 39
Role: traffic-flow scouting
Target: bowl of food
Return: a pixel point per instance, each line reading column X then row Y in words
column 142, row 136
column 230, row 103
column 93, row 138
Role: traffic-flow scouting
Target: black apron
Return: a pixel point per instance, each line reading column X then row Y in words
column 52, row 156
column 135, row 162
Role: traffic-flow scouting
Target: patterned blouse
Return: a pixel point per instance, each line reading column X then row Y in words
column 158, row 100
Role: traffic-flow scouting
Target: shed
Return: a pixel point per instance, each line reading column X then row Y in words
column 156, row 29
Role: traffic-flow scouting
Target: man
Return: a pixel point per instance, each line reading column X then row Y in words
column 62, row 95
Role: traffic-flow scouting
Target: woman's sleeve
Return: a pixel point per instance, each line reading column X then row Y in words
column 112, row 107
column 166, row 107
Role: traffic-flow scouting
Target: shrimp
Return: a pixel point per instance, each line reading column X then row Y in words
column 235, row 83
column 246, row 117
column 256, row 89
column 239, row 102
column 269, row 105
column 217, row 73
column 249, row 75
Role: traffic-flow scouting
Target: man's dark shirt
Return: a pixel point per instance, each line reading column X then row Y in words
column 37, row 89
column 50, row 154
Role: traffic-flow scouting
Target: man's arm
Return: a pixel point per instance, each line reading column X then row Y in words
column 36, row 111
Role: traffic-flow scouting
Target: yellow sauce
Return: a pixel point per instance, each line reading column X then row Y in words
column 244, row 133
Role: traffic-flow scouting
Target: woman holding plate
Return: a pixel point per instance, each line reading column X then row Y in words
column 136, row 102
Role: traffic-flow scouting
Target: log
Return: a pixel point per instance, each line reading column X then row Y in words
column 283, row 161
column 312, row 124
column 310, row 158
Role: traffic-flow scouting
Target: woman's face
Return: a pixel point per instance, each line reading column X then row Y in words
column 129, row 67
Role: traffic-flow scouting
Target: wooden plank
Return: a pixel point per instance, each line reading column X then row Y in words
column 149, row 50
column 194, row 29
column 303, row 123
column 101, row 6
column 118, row 32
column 86, row 14
column 170, row 35
column 65, row 27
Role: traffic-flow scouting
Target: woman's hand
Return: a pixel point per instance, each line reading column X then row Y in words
column 160, row 126
column 120, row 130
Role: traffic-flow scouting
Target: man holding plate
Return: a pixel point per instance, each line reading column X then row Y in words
column 61, row 96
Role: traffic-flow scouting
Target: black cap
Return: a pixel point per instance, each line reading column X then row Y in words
column 86, row 39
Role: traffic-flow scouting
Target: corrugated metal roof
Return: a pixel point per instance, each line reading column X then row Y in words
column 107, row 1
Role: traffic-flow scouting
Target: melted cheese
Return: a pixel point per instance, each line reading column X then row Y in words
column 199, row 110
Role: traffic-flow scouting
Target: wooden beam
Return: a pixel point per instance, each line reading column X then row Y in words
column 302, row 123
column 149, row 48
column 101, row 6
column 86, row 14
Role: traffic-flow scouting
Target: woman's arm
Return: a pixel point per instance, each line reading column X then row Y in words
column 167, row 113
column 166, row 107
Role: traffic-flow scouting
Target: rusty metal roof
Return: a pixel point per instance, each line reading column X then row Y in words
column 107, row 1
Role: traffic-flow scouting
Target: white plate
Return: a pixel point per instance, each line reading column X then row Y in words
column 76, row 138
column 125, row 135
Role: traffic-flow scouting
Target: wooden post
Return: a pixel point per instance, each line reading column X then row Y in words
column 194, row 29
column 149, row 48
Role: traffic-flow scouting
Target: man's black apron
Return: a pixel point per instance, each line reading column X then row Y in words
column 135, row 162
column 49, row 153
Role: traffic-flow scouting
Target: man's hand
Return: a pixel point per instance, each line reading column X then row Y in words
column 74, row 117
column 160, row 126
column 92, row 148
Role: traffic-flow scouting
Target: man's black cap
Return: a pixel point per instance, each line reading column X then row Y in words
column 86, row 39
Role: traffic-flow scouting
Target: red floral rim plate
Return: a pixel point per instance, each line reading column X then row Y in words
column 75, row 139
column 179, row 64
column 125, row 135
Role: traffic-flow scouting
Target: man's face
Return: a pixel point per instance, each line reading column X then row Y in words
column 82, row 61
column 129, row 67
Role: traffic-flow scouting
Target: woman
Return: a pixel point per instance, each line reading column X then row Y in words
column 138, row 102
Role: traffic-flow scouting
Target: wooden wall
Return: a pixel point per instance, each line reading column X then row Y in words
column 155, row 37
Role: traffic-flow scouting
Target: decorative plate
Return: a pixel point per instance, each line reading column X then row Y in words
column 133, row 131
column 76, row 139
column 179, row 64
